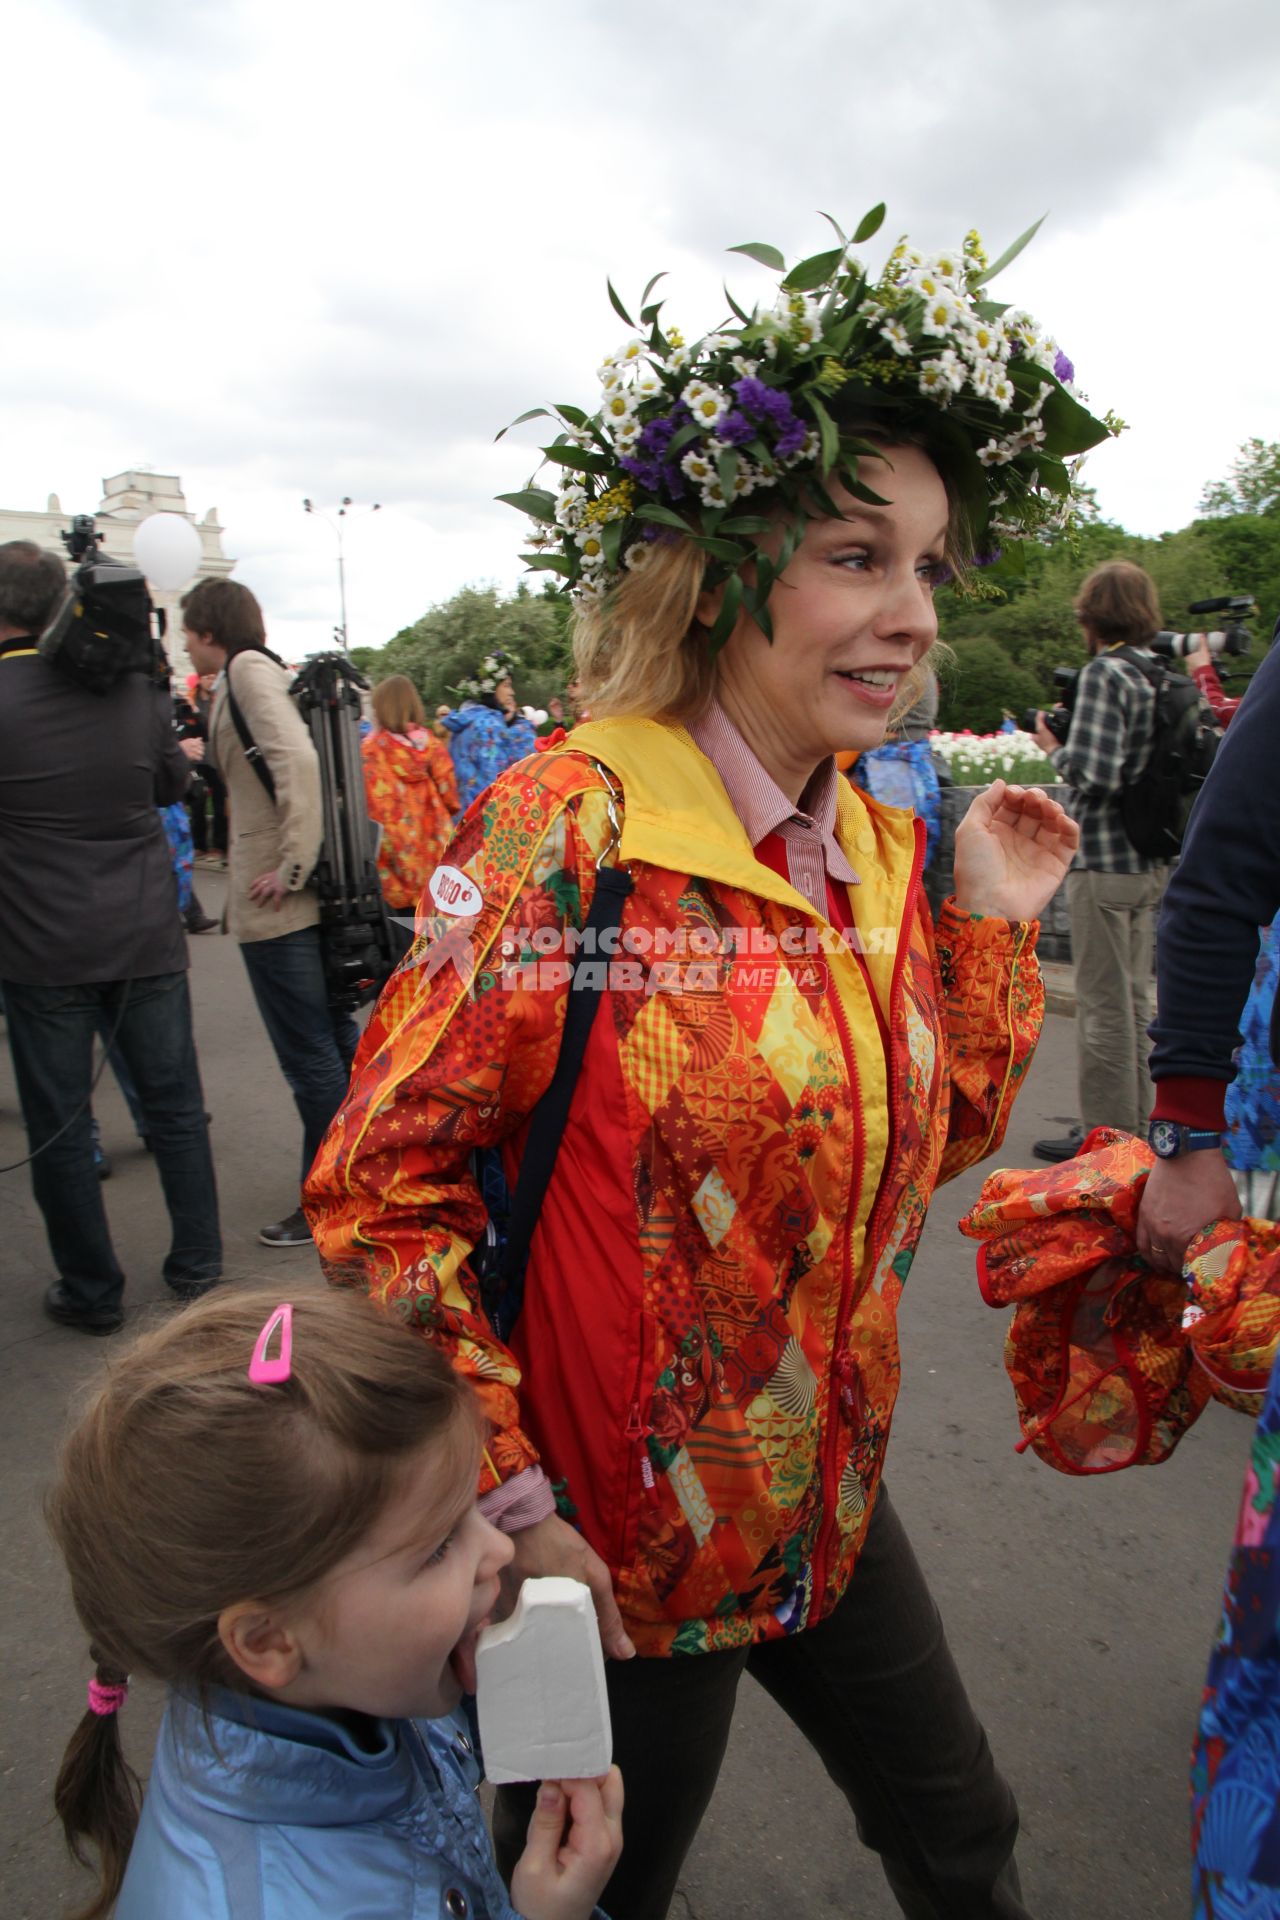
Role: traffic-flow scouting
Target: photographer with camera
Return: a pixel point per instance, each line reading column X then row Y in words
column 1112, row 890
column 89, row 923
column 275, row 841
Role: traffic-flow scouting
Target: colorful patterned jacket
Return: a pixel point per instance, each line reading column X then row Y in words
column 403, row 795
column 706, row 1360
column 484, row 743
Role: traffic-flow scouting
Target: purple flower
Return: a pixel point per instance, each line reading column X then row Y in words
column 647, row 472
column 658, row 435
column 1062, row 367
column 753, row 396
column 734, row 430
column 791, row 439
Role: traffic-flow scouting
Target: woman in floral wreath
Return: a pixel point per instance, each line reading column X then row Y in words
column 488, row 732
column 787, row 1058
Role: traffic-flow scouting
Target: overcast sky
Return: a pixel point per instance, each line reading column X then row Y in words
column 303, row 247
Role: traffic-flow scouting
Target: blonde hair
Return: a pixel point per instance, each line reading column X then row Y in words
column 641, row 649
column 185, row 1488
column 397, row 704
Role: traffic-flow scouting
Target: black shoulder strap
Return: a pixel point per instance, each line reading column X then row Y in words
column 548, row 1119
column 252, row 752
column 1154, row 672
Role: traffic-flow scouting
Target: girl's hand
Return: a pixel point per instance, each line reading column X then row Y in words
column 1013, row 848
column 560, row 1875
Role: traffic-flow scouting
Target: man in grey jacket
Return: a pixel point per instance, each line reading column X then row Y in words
column 89, row 926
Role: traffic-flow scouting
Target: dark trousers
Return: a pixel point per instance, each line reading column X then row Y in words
column 314, row 1041
column 875, row 1691
column 51, row 1035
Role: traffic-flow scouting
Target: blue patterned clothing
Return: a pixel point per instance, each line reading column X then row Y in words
column 177, row 831
column 1252, row 1144
column 902, row 774
column 1235, row 1768
column 484, row 743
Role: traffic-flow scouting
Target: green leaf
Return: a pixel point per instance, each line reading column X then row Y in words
column 649, row 314
column 652, row 284
column 859, row 488
column 611, row 541
column 870, row 223
column 1011, row 253
column 574, row 415
column 746, row 523
column 813, row 272
column 534, row 413
column 547, row 563
column 662, row 517
column 618, row 307
column 724, row 550
column 828, row 433
column 585, row 459
column 766, row 255
column 836, row 229
column 535, row 501
column 766, row 573
column 727, row 472
column 744, row 317
column 681, row 438
column 818, row 493
column 727, row 617
column 757, row 605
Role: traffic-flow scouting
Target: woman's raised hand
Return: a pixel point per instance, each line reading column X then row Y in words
column 553, row 1547
column 1013, row 848
column 561, row 1874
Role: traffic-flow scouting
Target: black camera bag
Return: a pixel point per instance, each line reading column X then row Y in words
column 1156, row 806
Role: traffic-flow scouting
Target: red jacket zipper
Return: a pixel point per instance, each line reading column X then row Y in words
column 635, row 1433
column 839, row 1405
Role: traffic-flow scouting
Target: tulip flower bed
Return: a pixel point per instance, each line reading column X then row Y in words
column 976, row 759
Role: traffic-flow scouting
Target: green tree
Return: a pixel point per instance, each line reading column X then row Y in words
column 448, row 642
column 1253, row 484
column 981, row 684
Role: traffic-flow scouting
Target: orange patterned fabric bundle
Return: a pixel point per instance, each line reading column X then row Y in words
column 1113, row 1360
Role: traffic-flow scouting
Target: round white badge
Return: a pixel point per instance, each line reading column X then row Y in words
column 453, row 893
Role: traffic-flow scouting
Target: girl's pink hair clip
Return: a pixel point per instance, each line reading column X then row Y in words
column 272, row 1373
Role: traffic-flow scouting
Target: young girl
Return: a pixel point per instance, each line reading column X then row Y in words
column 273, row 1509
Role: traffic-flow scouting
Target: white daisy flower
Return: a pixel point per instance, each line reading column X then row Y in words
column 896, row 334
column 705, row 403
column 617, row 406
column 927, row 282
column 988, row 340
column 590, row 546
column 697, row 466
column 634, row 351
column 542, row 536
column 981, row 375
column 713, row 493
column 625, row 434
column 941, row 314
column 996, row 453
column 744, row 368
column 943, row 375
column 609, row 374
column 948, row 266
column 570, row 502
column 745, row 480
column 1002, row 392
column 647, row 383
column 637, row 555
column 717, row 343
column 588, row 589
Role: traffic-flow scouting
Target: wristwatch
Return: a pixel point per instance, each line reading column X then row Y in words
column 1167, row 1139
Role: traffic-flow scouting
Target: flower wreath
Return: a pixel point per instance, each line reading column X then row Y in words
column 684, row 435
column 493, row 669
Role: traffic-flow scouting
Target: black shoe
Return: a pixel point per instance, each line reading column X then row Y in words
column 60, row 1306
column 1065, row 1149
column 293, row 1232
column 201, row 923
column 192, row 1289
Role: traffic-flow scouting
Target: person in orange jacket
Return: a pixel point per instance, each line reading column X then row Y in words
column 692, row 1411
column 410, row 791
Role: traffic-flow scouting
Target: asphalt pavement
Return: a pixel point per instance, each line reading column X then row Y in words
column 1080, row 1612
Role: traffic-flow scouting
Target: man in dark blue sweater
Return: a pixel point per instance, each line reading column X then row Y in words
column 1226, row 886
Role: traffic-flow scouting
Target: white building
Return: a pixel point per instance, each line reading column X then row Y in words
column 127, row 499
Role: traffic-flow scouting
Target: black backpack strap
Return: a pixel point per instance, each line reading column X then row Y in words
column 252, row 752
column 548, row 1119
column 1154, row 672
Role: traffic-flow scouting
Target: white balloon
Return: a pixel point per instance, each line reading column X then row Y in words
column 168, row 549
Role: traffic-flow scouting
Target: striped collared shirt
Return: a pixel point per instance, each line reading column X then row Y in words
column 807, row 830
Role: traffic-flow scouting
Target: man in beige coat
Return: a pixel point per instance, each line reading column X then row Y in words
column 274, row 844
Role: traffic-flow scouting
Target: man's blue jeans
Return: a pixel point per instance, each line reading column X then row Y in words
column 315, row 1042
column 51, row 1036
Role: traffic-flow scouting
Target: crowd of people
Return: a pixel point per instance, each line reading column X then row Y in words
column 721, row 1055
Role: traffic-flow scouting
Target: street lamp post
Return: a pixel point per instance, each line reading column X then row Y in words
column 336, row 524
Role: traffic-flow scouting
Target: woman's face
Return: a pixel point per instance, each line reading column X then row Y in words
column 852, row 614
